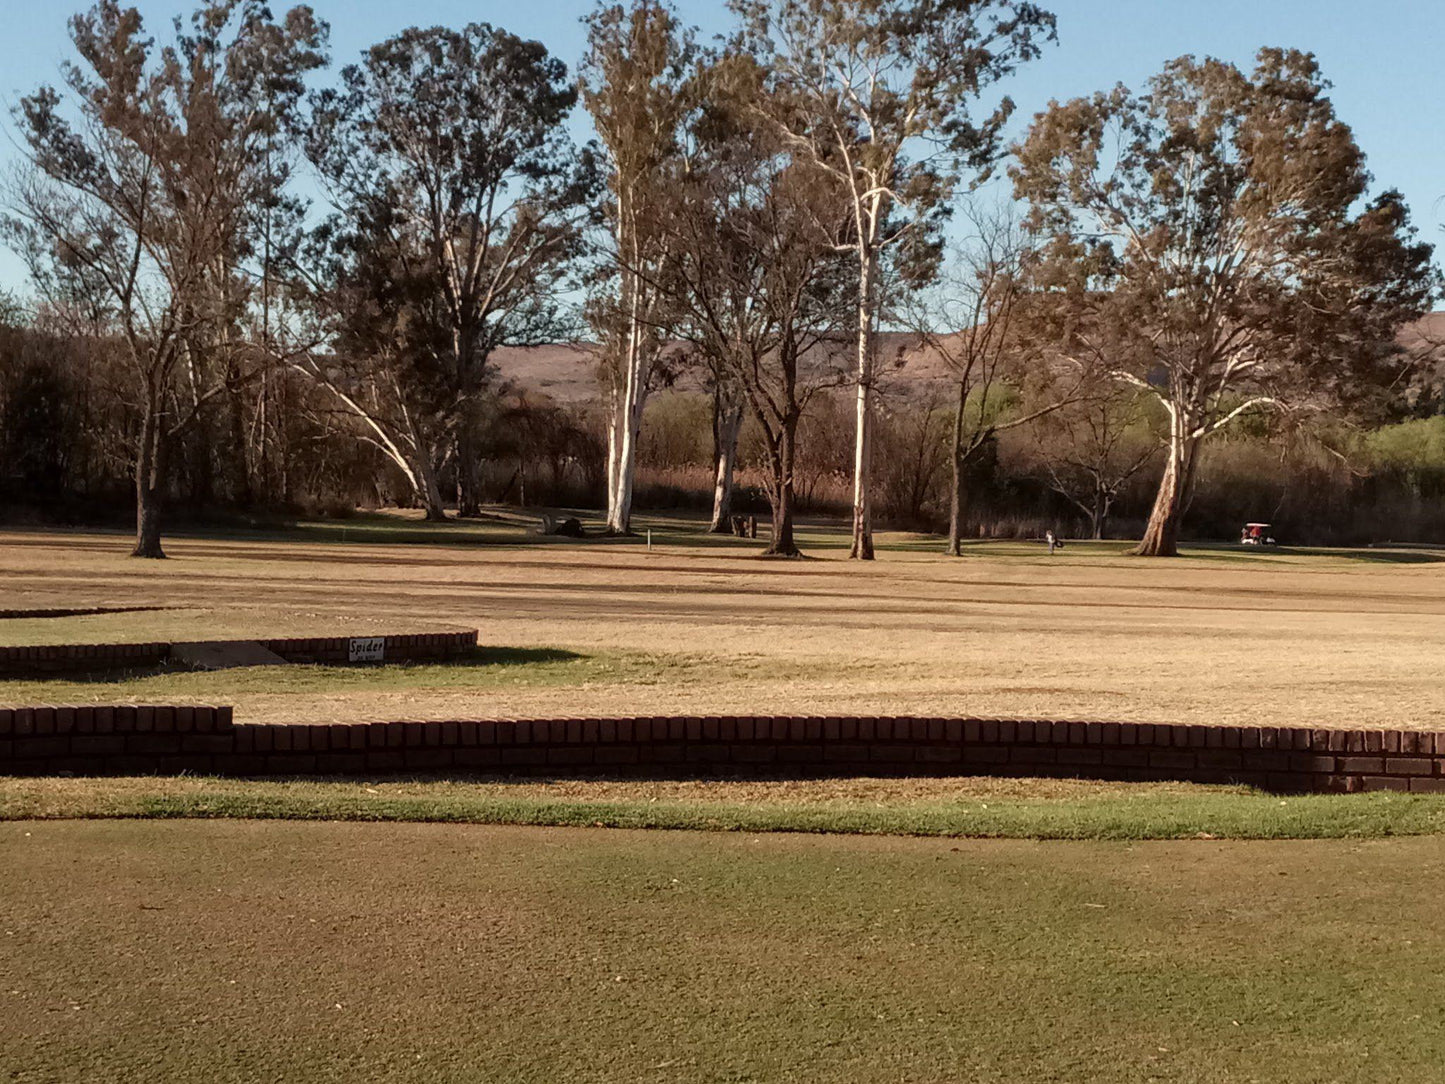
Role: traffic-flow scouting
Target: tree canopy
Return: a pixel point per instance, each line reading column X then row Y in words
column 1212, row 241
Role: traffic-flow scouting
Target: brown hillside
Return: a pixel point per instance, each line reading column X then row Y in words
column 567, row 372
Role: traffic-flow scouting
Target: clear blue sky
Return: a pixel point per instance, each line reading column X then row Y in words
column 1384, row 59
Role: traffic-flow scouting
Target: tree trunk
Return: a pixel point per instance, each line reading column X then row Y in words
column 1099, row 514
column 431, row 496
column 283, row 457
column 622, row 445
column 614, row 453
column 957, row 509
column 727, row 423
column 1161, row 536
column 958, row 501
column 626, row 406
column 619, row 508
column 469, row 467
column 862, row 548
column 781, row 491
column 147, row 524
column 243, row 492
column 149, row 485
column 428, row 490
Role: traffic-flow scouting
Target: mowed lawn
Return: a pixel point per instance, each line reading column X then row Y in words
column 240, row 951
column 698, row 624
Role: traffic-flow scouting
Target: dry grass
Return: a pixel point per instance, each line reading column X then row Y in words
column 698, row 625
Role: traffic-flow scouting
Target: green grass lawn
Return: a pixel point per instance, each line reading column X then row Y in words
column 242, row 951
column 965, row 807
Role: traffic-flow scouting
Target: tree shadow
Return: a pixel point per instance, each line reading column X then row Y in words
column 100, row 675
column 518, row 656
column 481, row 656
column 1388, row 557
column 1263, row 555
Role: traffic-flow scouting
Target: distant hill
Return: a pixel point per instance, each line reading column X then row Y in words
column 567, row 372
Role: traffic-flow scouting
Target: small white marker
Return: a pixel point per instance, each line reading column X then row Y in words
column 649, row 540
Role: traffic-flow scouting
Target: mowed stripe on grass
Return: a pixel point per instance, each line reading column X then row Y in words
column 1340, row 638
column 266, row 950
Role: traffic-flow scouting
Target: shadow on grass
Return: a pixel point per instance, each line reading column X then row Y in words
column 515, row 656
column 1382, row 556
column 103, row 676
column 482, row 656
column 1263, row 555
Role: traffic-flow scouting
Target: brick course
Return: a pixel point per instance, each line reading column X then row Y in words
column 411, row 647
column 101, row 740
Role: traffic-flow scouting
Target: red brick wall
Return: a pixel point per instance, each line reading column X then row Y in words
column 106, row 740
column 416, row 647
column 102, row 740
column 56, row 657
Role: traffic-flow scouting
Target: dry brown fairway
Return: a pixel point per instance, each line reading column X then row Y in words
column 1342, row 639
column 243, row 951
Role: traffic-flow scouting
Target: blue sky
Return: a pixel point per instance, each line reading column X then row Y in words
column 1385, row 67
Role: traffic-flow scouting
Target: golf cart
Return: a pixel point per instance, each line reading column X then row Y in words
column 1256, row 534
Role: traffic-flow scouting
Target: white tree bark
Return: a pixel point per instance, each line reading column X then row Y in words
column 727, row 427
column 863, row 443
column 626, row 424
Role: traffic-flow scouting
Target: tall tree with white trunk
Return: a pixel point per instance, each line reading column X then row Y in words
column 887, row 96
column 636, row 84
column 1211, row 241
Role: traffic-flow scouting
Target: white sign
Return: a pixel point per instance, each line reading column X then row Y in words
column 367, row 648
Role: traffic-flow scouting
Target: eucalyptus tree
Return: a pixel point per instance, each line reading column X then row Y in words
column 141, row 175
column 637, row 85
column 755, row 280
column 1212, row 243
column 447, row 148
column 887, row 96
column 372, row 308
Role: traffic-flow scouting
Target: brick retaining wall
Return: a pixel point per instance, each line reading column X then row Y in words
column 118, row 740
column 130, row 740
column 411, row 647
column 52, row 658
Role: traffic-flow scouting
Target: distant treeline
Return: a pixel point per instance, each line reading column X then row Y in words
column 270, row 451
